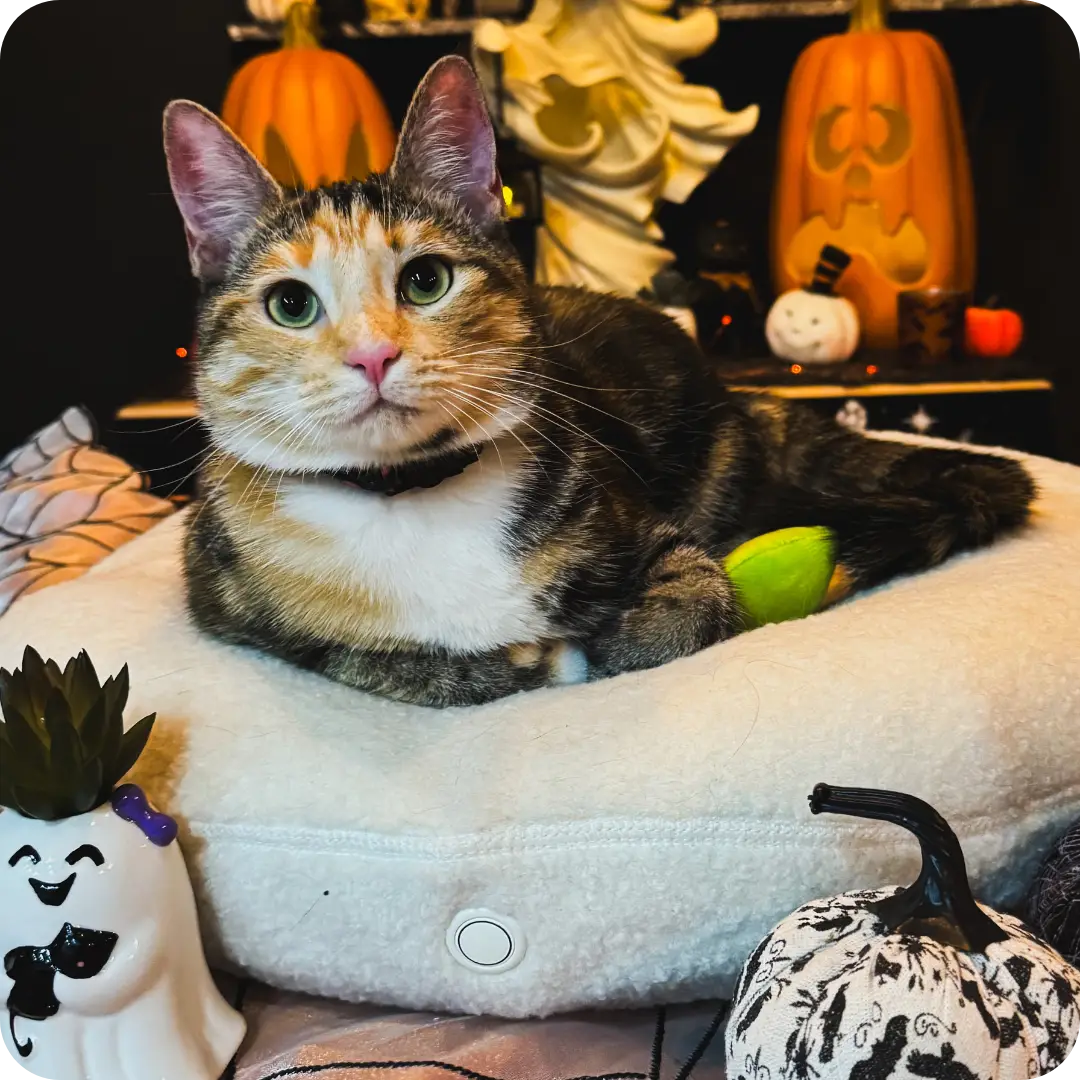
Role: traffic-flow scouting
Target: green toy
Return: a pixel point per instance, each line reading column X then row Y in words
column 784, row 574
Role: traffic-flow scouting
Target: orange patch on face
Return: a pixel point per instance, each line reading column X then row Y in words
column 343, row 233
column 301, row 251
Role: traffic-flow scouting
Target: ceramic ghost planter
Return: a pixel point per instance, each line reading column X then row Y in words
column 105, row 977
column 902, row 983
column 814, row 325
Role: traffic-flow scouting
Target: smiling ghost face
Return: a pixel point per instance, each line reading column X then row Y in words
column 55, row 893
column 94, row 870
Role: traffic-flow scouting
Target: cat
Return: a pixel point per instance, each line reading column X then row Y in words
column 435, row 481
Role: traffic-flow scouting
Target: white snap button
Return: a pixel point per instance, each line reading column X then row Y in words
column 484, row 941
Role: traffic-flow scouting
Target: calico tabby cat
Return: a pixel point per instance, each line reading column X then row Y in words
column 435, row 481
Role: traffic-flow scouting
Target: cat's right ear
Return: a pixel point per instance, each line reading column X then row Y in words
column 218, row 185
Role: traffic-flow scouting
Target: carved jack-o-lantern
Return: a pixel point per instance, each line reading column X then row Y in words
column 872, row 159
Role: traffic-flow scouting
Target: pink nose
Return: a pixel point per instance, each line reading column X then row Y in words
column 373, row 360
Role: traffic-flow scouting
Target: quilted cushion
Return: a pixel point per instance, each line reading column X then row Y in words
column 621, row 842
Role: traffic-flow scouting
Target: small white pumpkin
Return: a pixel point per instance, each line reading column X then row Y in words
column 104, row 974
column 902, row 983
column 813, row 325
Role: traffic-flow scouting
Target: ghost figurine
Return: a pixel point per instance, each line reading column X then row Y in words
column 814, row 325
column 104, row 972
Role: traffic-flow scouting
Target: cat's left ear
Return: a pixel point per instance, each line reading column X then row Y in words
column 447, row 143
column 218, row 184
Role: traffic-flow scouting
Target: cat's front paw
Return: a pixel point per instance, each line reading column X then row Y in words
column 688, row 604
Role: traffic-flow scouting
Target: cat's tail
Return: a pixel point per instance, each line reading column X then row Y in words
column 929, row 504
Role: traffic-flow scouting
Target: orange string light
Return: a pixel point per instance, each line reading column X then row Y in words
column 181, row 352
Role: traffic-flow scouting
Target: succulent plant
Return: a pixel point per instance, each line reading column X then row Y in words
column 62, row 743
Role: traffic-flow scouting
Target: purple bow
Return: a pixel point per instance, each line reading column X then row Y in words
column 129, row 802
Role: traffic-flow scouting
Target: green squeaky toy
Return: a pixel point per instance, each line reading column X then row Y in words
column 785, row 574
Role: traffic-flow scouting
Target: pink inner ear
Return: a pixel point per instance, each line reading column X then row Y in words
column 448, row 143
column 218, row 186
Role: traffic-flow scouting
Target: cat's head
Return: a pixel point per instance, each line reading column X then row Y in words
column 361, row 324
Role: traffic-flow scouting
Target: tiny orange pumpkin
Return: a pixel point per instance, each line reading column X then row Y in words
column 992, row 331
column 309, row 114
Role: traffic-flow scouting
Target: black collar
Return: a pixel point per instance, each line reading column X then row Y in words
column 394, row 479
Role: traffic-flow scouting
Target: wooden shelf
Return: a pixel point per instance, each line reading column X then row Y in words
column 366, row 29
column 792, row 9
column 812, row 391
column 184, row 408
column 726, row 10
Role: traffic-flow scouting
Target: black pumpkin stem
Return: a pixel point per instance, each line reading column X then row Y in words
column 939, row 904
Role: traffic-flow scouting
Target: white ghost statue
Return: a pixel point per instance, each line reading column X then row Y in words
column 104, row 976
column 102, row 952
column 592, row 92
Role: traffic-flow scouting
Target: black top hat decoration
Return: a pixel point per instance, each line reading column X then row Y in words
column 832, row 262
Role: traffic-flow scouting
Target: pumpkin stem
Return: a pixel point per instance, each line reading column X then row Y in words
column 939, row 904
column 301, row 26
column 867, row 16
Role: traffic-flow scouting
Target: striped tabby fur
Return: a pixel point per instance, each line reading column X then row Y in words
column 613, row 471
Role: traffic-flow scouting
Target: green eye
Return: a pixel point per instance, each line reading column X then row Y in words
column 425, row 280
column 292, row 304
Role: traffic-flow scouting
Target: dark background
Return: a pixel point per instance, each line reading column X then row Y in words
column 99, row 296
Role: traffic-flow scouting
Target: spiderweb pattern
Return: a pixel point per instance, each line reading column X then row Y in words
column 64, row 505
column 1054, row 904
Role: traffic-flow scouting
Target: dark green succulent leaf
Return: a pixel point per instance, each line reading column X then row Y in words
column 92, row 729
column 38, row 684
column 90, row 792
column 18, row 767
column 14, row 695
column 111, row 738
column 65, row 753
column 69, row 673
column 86, row 685
column 37, row 804
column 62, row 743
column 116, row 690
column 133, row 744
column 82, row 687
column 54, row 674
column 29, row 742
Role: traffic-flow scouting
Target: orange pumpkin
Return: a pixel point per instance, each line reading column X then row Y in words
column 992, row 331
column 872, row 159
column 309, row 114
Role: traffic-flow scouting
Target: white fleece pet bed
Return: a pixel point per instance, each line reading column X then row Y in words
column 615, row 843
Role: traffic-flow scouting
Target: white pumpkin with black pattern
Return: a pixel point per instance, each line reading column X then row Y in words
column 899, row 984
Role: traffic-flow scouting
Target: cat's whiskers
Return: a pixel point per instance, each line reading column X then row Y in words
column 237, row 461
column 492, row 440
column 309, row 423
column 516, row 377
column 186, row 423
column 456, row 421
column 487, row 412
column 566, row 425
column 569, row 457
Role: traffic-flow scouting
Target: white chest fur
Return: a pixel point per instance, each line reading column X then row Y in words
column 436, row 562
